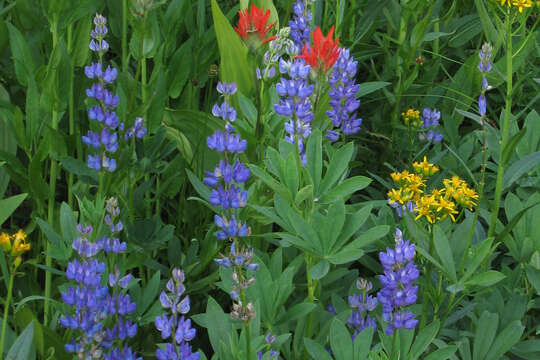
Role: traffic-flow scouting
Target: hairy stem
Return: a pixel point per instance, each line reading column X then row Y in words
column 6, row 312
column 505, row 127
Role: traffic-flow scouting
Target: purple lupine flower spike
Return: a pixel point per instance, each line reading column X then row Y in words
column 93, row 303
column 398, row 290
column 300, row 23
column 485, row 67
column 430, row 122
column 175, row 328
column 342, row 94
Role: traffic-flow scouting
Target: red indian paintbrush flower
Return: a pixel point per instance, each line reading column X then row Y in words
column 324, row 52
column 254, row 23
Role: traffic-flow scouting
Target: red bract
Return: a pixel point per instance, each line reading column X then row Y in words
column 324, row 52
column 254, row 23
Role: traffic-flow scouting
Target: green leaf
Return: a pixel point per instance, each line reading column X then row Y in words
column 338, row 165
column 487, row 278
column 291, row 173
column 354, row 250
column 486, row 329
column 442, row 246
column 68, row 224
column 149, row 293
column 305, row 193
column 341, row 342
column 23, row 347
column 320, row 270
column 362, row 343
column 22, row 58
column 296, row 312
column 305, row 230
column 271, row 182
column 533, row 275
column 520, row 168
column 9, row 205
column 59, row 250
column 505, row 340
column 234, row 65
column 345, row 189
column 510, row 148
column 316, row 350
column 180, row 69
column 369, row 87
column 199, row 186
column 314, row 158
column 423, row 339
column 442, row 354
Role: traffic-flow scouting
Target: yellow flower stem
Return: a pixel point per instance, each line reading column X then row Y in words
column 52, row 190
column 6, row 311
column 505, row 127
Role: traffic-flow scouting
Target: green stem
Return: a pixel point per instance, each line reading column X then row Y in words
column 52, row 192
column 505, row 128
column 124, row 35
column 71, row 112
column 311, row 285
column 395, row 350
column 6, row 312
column 427, row 283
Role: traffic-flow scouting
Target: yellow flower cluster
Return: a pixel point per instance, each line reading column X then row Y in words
column 412, row 118
column 14, row 245
column 437, row 204
column 520, row 4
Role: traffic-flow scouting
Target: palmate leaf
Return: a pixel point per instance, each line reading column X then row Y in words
column 234, row 64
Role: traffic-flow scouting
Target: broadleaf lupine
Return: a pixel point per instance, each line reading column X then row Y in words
column 398, row 290
column 94, row 305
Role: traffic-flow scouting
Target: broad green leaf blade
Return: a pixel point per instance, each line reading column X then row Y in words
column 488, row 278
column 9, row 205
column 233, row 53
column 338, row 166
column 486, row 329
column 316, row 350
column 23, row 347
column 442, row 246
column 505, row 340
column 520, row 168
column 314, row 158
column 296, row 312
column 423, row 339
column 320, row 270
column 369, row 87
column 345, row 189
column 362, row 343
column 341, row 342
column 442, row 354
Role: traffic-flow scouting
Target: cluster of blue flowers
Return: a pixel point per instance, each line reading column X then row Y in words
column 402, row 209
column 272, row 354
column 295, row 103
column 363, row 303
column 485, row 67
column 176, row 326
column 430, row 121
column 227, row 193
column 95, row 304
column 104, row 141
column 398, row 290
column 301, row 23
column 229, row 175
column 342, row 93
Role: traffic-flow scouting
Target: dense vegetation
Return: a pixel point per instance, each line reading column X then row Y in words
column 286, row 179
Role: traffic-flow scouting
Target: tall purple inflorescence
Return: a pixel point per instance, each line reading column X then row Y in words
column 300, row 23
column 430, row 121
column 398, row 290
column 176, row 326
column 99, row 311
column 364, row 304
column 103, row 140
column 342, row 93
column 227, row 181
column 485, row 67
column 295, row 103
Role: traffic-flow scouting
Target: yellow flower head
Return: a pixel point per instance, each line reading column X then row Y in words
column 5, row 242
column 520, row 4
column 412, row 118
column 19, row 244
column 425, row 168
